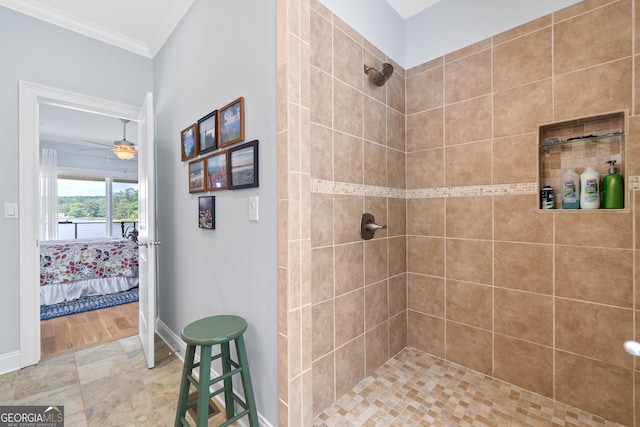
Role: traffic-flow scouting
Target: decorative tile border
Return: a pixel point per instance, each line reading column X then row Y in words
column 345, row 188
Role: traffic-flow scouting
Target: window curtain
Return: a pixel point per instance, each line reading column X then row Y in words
column 48, row 194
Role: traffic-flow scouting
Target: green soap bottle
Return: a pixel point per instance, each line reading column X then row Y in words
column 612, row 188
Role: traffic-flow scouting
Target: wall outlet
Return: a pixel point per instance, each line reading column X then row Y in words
column 253, row 208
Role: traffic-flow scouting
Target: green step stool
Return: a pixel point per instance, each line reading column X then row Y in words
column 206, row 333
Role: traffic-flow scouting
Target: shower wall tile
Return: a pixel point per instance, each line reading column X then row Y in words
column 323, row 225
column 604, row 229
column 468, row 51
column 524, row 267
column 347, row 59
column 511, row 116
column 322, row 317
column 595, row 386
column 426, row 333
column 425, row 169
column 460, row 338
column 524, row 315
column 633, row 150
column 469, row 260
column 322, row 106
column 426, row 217
column 395, row 131
column 321, row 151
column 321, row 274
column 515, row 159
column 346, row 213
column 347, row 109
column 522, row 60
column 323, row 383
column 425, row 255
column 595, row 274
column 395, row 88
column 397, row 294
column 524, row 364
column 375, row 117
column 516, row 219
column 468, row 121
column 349, row 317
column 425, row 90
column 469, row 218
column 468, row 77
column 375, row 162
column 595, row 331
column 470, row 304
column 376, row 310
column 468, row 164
column 350, row 368
column 397, row 219
column 349, row 268
column 396, row 169
column 397, row 255
column 375, row 261
column 377, row 348
column 397, row 333
column 426, row 294
column 348, row 158
column 522, row 30
column 425, row 130
column 577, row 46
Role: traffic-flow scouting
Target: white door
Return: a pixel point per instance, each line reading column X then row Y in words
column 147, row 228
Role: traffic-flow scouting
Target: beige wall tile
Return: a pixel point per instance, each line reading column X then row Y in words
column 347, row 59
column 396, row 169
column 377, row 348
column 349, row 317
column 375, row 264
column 425, row 169
column 397, row 255
column 321, row 274
column 425, row 90
column 514, row 159
column 460, row 338
column 577, row 9
column 577, row 46
column 468, row 121
column 397, row 294
column 524, row 266
column 469, row 260
column 633, row 149
column 347, row 109
column 426, row 294
column 604, row 229
column 374, row 121
column 425, row 130
column 469, row 50
column 321, row 89
column 348, row 158
column 426, row 217
column 516, row 219
column 524, row 315
column 322, row 232
column 283, row 367
column 375, row 164
column 397, row 333
column 346, row 214
column 321, row 152
column 295, row 344
column 376, row 301
column 469, row 217
column 610, row 84
column 425, row 66
column 595, row 274
column 349, row 267
column 395, row 89
column 521, row 30
column 524, row 364
column 426, row 333
column 425, row 255
column 349, row 365
column 470, row 304
column 397, row 218
column 395, row 130
column 347, row 29
column 468, row 77
column 322, row 317
column 511, row 116
column 595, row 331
column 522, row 60
column 468, row 164
column 595, row 386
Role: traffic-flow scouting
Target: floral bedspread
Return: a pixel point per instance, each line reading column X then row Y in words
column 63, row 261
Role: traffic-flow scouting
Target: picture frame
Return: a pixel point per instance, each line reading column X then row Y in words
column 208, row 132
column 189, row 142
column 217, row 171
column 196, row 176
column 231, row 123
column 243, row 166
column 207, row 212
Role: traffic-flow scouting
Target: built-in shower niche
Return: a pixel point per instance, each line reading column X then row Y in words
column 578, row 143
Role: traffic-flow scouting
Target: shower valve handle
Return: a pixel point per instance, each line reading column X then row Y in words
column 372, row 226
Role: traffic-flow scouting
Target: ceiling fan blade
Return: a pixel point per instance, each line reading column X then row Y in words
column 97, row 143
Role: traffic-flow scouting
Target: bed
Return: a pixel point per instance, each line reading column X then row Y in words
column 71, row 269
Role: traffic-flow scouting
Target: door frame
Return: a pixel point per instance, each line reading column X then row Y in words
column 31, row 96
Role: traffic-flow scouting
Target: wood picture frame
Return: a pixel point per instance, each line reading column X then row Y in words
column 231, row 123
column 196, row 176
column 243, row 166
column 207, row 212
column 208, row 132
column 217, row 171
column 189, row 142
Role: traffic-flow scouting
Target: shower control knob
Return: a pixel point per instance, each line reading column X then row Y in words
column 368, row 226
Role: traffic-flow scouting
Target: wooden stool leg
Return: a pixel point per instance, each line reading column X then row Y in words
column 203, row 385
column 228, row 382
column 246, row 382
column 184, row 385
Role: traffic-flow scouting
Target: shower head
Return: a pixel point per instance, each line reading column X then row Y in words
column 381, row 75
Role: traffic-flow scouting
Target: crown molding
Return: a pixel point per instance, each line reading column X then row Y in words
column 170, row 20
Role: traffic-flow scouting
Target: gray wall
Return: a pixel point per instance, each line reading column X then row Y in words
column 38, row 52
column 220, row 51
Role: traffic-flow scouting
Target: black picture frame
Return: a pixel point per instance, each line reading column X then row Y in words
column 207, row 212
column 243, row 166
column 208, row 132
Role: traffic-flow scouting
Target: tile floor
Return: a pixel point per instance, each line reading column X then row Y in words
column 416, row 389
column 110, row 386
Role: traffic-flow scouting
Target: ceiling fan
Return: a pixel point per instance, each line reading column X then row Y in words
column 123, row 149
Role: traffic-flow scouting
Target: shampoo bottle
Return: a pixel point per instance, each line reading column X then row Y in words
column 570, row 190
column 590, row 185
column 613, row 188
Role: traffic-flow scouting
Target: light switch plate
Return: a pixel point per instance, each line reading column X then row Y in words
column 10, row 210
column 253, row 208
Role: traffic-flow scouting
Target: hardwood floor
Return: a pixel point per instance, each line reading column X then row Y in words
column 68, row 334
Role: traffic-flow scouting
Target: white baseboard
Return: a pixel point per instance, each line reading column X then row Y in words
column 175, row 343
column 9, row 362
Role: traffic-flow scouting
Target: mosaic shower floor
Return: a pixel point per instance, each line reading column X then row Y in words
column 417, row 389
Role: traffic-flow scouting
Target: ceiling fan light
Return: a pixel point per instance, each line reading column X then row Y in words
column 125, row 154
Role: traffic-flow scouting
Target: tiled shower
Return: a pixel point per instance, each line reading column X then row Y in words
column 469, row 269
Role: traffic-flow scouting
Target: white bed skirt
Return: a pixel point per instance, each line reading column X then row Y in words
column 53, row 294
